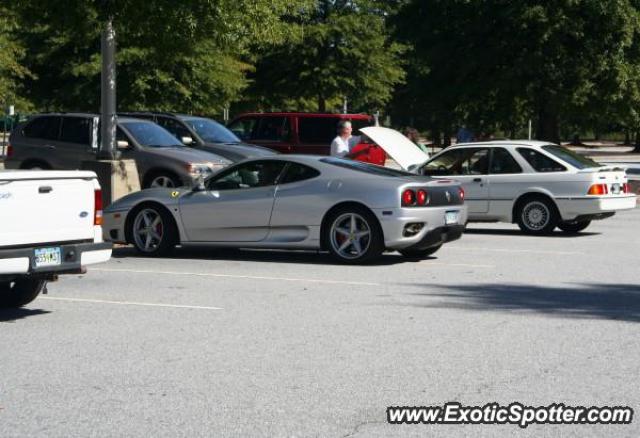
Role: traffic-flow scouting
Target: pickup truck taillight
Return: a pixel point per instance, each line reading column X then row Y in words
column 97, row 207
column 598, row 189
column 9, row 151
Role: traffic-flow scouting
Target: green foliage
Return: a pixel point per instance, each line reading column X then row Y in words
column 186, row 56
column 344, row 52
column 12, row 70
column 497, row 62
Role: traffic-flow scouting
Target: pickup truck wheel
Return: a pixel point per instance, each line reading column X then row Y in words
column 20, row 292
column 573, row 227
column 153, row 231
column 419, row 253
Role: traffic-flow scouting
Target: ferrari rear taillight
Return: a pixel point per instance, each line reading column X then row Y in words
column 97, row 207
column 408, row 198
column 422, row 197
column 598, row 189
column 626, row 188
column 461, row 193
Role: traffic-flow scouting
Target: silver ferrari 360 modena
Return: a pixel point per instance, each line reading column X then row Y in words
column 352, row 209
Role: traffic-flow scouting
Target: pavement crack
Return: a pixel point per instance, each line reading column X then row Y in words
column 358, row 426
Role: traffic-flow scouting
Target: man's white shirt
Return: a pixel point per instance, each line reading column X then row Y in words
column 341, row 147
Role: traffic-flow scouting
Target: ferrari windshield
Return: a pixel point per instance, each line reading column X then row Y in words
column 365, row 167
column 211, row 131
column 567, row 155
column 150, row 134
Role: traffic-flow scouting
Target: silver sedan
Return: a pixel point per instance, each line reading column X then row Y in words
column 353, row 210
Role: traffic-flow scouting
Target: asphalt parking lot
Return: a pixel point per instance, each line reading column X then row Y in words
column 264, row 343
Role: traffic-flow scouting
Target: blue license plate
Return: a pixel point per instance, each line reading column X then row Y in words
column 44, row 257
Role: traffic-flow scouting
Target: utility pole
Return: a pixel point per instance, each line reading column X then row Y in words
column 108, row 89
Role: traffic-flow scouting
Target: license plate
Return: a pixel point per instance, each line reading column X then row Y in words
column 615, row 189
column 47, row 257
column 451, row 217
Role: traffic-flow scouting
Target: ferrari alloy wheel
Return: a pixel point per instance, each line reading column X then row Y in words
column 354, row 236
column 153, row 231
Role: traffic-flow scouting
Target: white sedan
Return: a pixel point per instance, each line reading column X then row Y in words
column 538, row 185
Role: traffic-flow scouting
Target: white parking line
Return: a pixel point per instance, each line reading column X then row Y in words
column 248, row 277
column 523, row 251
column 129, row 303
column 464, row 265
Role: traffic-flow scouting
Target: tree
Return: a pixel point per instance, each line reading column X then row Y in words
column 499, row 61
column 344, row 52
column 12, row 71
column 189, row 56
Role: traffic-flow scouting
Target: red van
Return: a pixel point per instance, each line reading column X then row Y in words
column 303, row 133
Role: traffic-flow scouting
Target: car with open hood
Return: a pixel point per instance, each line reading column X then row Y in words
column 536, row 184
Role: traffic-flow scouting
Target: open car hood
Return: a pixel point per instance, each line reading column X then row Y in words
column 397, row 146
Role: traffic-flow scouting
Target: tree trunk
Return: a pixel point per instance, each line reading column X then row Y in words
column 636, row 149
column 322, row 104
column 547, row 125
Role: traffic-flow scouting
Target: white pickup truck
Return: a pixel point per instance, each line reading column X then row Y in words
column 50, row 224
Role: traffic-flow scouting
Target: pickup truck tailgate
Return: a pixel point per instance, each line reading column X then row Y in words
column 39, row 207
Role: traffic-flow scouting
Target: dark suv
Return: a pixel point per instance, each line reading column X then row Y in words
column 303, row 133
column 203, row 133
column 64, row 140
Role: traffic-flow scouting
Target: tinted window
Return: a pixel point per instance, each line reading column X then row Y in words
column 540, row 162
column 212, row 131
column 244, row 128
column 174, row 127
column 150, row 134
column 464, row 161
column 317, row 130
column 76, row 130
column 249, row 175
column 576, row 160
column 273, row 128
column 503, row 162
column 43, row 127
column 298, row 172
column 365, row 167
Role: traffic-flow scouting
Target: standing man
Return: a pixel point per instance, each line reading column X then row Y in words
column 341, row 145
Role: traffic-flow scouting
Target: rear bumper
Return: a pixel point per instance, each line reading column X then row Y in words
column 439, row 236
column 393, row 222
column 75, row 257
column 585, row 206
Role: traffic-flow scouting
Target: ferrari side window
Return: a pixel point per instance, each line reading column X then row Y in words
column 249, row 175
column 298, row 172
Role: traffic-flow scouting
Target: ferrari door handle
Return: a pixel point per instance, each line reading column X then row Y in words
column 477, row 179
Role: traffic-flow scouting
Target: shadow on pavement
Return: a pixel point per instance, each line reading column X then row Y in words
column 259, row 255
column 12, row 315
column 509, row 232
column 620, row 302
